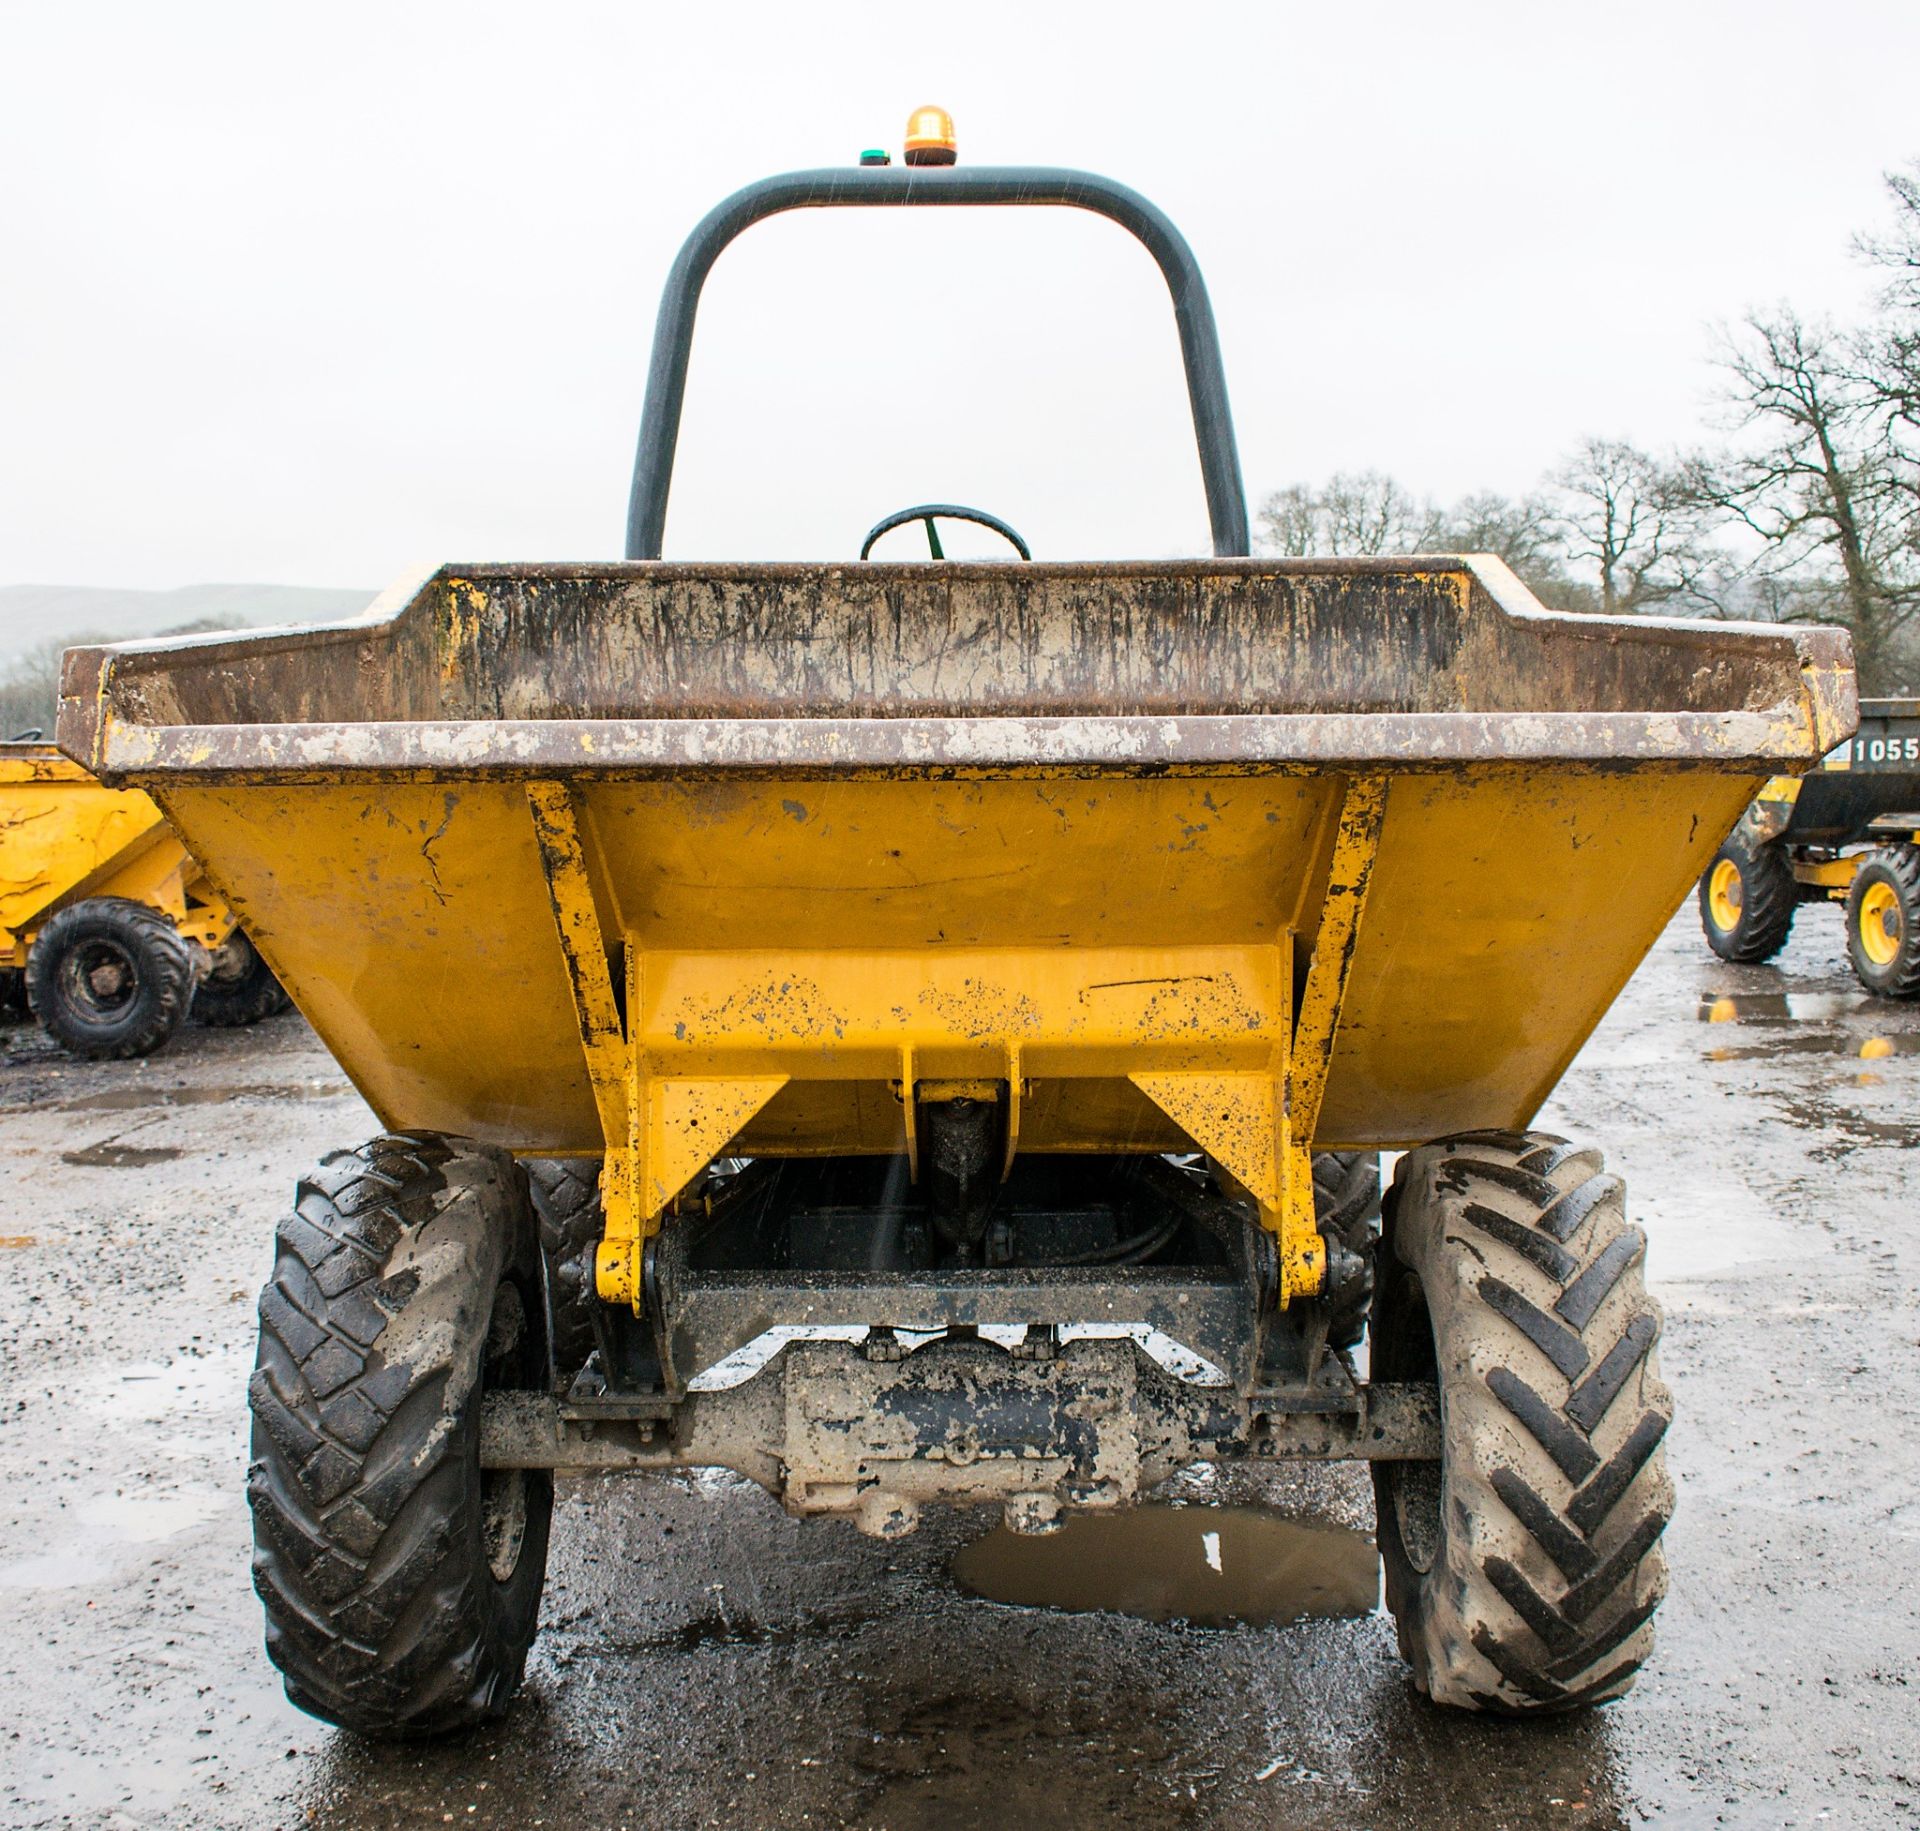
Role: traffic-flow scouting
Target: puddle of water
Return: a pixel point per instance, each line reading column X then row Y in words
column 1697, row 1228
column 120, row 1156
column 152, row 1392
column 56, row 1570
column 1207, row 1565
column 144, row 1519
column 103, row 1525
column 17, row 1242
column 1778, row 1007
column 139, row 1099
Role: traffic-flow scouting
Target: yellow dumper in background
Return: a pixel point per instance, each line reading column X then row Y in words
column 107, row 917
column 918, row 995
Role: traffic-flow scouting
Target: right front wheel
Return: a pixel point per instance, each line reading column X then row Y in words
column 1883, row 921
column 1524, row 1567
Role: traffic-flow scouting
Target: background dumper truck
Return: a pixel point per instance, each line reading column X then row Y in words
column 1847, row 832
column 916, row 994
column 110, row 926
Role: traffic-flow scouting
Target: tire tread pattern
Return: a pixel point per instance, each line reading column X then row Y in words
column 1555, row 1494
column 566, row 1203
column 381, row 1612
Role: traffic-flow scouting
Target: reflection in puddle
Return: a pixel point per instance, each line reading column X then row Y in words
column 1207, row 1565
column 1778, row 1007
column 120, row 1156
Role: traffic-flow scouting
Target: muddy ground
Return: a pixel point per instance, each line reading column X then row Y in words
column 706, row 1661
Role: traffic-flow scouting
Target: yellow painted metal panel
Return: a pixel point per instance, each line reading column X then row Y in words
column 1507, row 909
column 1508, row 905
column 412, row 925
column 64, row 835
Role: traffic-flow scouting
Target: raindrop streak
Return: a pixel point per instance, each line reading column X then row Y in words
column 1207, row 1565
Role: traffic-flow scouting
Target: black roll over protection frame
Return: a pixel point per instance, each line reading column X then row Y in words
column 885, row 185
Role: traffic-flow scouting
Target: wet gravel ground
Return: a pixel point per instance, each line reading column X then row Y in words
column 706, row 1661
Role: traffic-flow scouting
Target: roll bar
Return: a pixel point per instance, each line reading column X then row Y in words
column 906, row 185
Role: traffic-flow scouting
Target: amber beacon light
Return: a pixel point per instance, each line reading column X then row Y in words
column 930, row 138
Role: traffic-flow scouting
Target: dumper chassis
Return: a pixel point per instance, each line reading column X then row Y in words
column 957, row 1008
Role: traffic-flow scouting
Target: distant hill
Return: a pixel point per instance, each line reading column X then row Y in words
column 34, row 615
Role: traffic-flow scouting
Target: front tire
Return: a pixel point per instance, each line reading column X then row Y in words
column 401, row 1580
column 1883, row 921
column 1523, row 1569
column 110, row 978
column 1747, row 899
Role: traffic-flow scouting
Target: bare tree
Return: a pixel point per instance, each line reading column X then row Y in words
column 1889, row 347
column 30, row 687
column 1353, row 512
column 1367, row 512
column 1811, row 484
column 1518, row 529
column 1624, row 515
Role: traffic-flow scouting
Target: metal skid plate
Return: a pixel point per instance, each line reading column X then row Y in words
column 1036, row 1436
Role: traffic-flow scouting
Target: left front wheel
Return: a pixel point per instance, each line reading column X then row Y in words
column 401, row 1580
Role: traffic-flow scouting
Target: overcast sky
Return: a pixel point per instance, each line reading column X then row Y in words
column 307, row 294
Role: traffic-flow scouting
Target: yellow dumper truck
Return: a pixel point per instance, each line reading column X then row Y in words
column 110, row 924
column 915, row 997
column 1847, row 833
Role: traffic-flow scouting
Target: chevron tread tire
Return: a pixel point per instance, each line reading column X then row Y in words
column 401, row 1582
column 1523, row 1570
column 1346, row 1205
column 1897, row 868
column 566, row 1202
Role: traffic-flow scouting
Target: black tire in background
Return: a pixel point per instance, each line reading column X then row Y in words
column 401, row 1580
column 1523, row 1568
column 1883, row 921
column 1747, row 899
column 566, row 1202
column 237, row 987
column 110, row 978
column 1346, row 1205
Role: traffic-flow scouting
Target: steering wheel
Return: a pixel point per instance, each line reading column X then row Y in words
column 929, row 512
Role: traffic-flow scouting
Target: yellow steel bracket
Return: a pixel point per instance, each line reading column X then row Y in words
column 1356, row 844
column 660, row 1131
column 1258, row 1124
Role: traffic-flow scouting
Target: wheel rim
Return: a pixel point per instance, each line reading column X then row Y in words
column 1881, row 924
column 99, row 979
column 503, row 1492
column 1725, row 894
